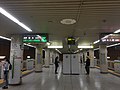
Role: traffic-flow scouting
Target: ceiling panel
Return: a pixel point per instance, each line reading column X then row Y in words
column 44, row 16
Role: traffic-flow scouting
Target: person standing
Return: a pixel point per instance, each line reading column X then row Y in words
column 6, row 66
column 56, row 64
column 87, row 66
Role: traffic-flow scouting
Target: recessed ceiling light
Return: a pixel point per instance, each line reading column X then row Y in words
column 68, row 21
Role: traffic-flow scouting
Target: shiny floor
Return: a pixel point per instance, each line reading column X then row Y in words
column 47, row 80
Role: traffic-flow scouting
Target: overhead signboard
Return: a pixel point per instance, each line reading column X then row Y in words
column 71, row 41
column 35, row 38
column 111, row 38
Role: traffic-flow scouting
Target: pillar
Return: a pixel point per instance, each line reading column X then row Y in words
column 103, row 59
column 51, row 58
column 47, row 58
column 38, row 59
column 16, row 57
column 84, row 56
column 91, row 54
column 81, row 57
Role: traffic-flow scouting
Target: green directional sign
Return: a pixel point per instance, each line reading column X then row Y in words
column 35, row 38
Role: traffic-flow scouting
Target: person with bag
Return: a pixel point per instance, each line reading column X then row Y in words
column 6, row 67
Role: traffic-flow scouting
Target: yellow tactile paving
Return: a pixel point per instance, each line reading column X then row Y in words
column 1, row 81
column 26, row 72
column 110, row 71
column 114, row 72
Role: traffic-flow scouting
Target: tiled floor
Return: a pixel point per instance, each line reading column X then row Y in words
column 47, row 80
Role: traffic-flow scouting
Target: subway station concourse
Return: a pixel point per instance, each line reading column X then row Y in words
column 36, row 33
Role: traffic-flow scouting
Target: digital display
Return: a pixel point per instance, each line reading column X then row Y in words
column 111, row 38
column 35, row 38
column 71, row 41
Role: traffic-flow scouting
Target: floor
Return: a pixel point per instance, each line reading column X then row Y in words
column 47, row 80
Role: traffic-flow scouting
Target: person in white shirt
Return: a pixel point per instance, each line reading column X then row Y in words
column 6, row 65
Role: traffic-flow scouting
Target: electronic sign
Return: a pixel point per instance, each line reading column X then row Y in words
column 35, row 38
column 71, row 41
column 111, row 38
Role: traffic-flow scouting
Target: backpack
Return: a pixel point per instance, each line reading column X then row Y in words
column 10, row 67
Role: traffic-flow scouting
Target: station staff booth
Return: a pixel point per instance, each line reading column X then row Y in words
column 70, row 64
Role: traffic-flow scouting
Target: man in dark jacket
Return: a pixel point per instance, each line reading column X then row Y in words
column 87, row 66
column 56, row 64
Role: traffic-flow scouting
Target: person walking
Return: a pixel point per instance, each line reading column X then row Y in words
column 56, row 65
column 87, row 66
column 6, row 68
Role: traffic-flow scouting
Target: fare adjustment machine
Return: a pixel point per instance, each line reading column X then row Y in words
column 70, row 64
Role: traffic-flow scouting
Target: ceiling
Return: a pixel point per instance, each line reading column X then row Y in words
column 44, row 16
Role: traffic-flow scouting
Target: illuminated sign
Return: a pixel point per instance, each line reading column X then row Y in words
column 111, row 38
column 35, row 38
column 71, row 41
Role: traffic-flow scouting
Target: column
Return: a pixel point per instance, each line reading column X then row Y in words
column 84, row 56
column 91, row 54
column 103, row 59
column 38, row 59
column 47, row 58
column 51, row 58
column 81, row 57
column 16, row 57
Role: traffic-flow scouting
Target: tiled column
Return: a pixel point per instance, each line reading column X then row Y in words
column 85, row 55
column 16, row 57
column 91, row 54
column 47, row 58
column 103, row 59
column 38, row 59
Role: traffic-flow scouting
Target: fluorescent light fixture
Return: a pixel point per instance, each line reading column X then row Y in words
column 81, row 49
column 85, row 46
column 29, row 45
column 5, row 38
column 117, row 31
column 28, row 57
column 113, row 45
column 8, row 15
column 108, row 57
column 102, row 39
column 58, row 51
column 76, row 51
column 96, row 42
column 106, row 36
column 109, row 46
column 2, row 57
column 96, row 49
column 48, row 43
column 55, row 46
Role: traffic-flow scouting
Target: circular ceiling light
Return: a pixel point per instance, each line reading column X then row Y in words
column 68, row 21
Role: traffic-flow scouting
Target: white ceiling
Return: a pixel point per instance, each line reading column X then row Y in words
column 44, row 16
